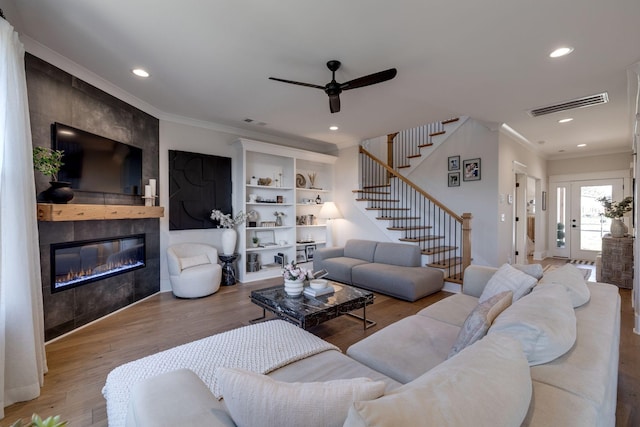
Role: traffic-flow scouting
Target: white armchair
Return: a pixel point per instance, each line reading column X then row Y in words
column 193, row 269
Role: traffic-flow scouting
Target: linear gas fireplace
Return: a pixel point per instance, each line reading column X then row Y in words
column 78, row 263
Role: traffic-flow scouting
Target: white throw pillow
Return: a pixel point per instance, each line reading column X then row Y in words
column 508, row 278
column 486, row 384
column 534, row 270
column 192, row 261
column 544, row 322
column 572, row 279
column 255, row 400
column 480, row 319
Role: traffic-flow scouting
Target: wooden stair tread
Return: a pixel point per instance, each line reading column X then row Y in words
column 373, row 208
column 404, row 166
column 368, row 187
column 455, row 278
column 451, row 120
column 438, row 249
column 391, row 218
column 411, row 227
column 420, row 238
column 442, row 132
column 425, row 145
column 370, row 191
column 377, row 200
column 413, row 156
column 446, row 263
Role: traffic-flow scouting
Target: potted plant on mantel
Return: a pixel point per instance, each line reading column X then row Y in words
column 48, row 162
column 615, row 211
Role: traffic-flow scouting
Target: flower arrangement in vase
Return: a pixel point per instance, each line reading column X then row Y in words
column 279, row 216
column 294, row 277
column 229, row 235
column 615, row 211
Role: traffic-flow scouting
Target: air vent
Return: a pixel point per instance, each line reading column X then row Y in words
column 587, row 101
column 247, row 120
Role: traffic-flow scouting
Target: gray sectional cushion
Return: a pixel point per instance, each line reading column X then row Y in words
column 339, row 268
column 407, row 283
column 397, row 254
column 361, row 249
column 407, row 348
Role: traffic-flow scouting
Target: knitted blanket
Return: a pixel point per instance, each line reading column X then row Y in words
column 261, row 348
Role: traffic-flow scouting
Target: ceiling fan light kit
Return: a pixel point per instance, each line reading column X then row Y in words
column 333, row 89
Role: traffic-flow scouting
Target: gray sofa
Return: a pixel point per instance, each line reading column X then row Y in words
column 577, row 388
column 389, row 268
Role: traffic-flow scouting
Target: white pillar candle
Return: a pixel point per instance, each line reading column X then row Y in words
column 147, row 191
column 152, row 184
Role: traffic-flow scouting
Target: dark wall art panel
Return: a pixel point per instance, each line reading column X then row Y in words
column 198, row 183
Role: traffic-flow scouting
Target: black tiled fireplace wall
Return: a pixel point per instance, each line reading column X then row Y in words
column 57, row 96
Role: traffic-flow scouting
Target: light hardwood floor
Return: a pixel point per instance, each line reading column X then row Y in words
column 79, row 362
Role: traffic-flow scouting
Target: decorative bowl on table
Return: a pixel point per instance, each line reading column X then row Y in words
column 318, row 283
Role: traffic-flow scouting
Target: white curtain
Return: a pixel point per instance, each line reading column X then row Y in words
column 22, row 355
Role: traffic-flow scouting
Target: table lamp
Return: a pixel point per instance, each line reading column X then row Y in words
column 329, row 211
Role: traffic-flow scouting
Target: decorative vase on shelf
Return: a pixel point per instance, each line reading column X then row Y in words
column 229, row 237
column 618, row 228
column 293, row 288
column 60, row 192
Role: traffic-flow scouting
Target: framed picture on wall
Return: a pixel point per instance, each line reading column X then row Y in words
column 454, row 179
column 454, row 163
column 309, row 250
column 471, row 170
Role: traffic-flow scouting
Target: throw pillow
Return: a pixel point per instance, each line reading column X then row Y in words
column 508, row 278
column 534, row 270
column 255, row 400
column 486, row 384
column 544, row 322
column 480, row 319
column 193, row 261
column 572, row 279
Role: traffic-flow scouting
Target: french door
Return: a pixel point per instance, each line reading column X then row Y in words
column 577, row 223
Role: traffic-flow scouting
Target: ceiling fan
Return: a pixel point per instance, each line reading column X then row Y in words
column 334, row 89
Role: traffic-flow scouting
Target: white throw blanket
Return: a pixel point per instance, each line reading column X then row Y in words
column 260, row 348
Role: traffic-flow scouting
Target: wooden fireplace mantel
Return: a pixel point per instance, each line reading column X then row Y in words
column 81, row 212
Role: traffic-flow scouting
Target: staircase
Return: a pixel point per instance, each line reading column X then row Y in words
column 408, row 214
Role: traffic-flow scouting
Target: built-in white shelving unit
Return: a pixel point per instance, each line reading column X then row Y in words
column 271, row 182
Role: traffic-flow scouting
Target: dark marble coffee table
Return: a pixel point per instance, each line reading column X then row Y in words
column 306, row 311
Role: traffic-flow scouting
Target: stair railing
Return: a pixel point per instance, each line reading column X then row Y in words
column 439, row 232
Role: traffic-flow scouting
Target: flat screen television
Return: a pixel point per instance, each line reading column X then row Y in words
column 95, row 163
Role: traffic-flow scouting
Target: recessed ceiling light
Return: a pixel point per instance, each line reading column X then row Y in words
column 582, row 145
column 567, row 120
column 561, row 51
column 140, row 72
column 333, row 127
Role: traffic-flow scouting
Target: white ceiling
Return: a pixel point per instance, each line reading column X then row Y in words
column 210, row 61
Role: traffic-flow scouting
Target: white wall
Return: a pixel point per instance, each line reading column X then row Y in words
column 534, row 166
column 480, row 198
column 174, row 136
column 600, row 163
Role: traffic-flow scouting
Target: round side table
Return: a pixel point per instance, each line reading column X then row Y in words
column 228, row 269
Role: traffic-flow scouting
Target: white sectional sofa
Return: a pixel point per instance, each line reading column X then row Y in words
column 490, row 382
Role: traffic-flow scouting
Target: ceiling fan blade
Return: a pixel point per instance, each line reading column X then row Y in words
column 371, row 79
column 297, row 83
column 334, row 103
